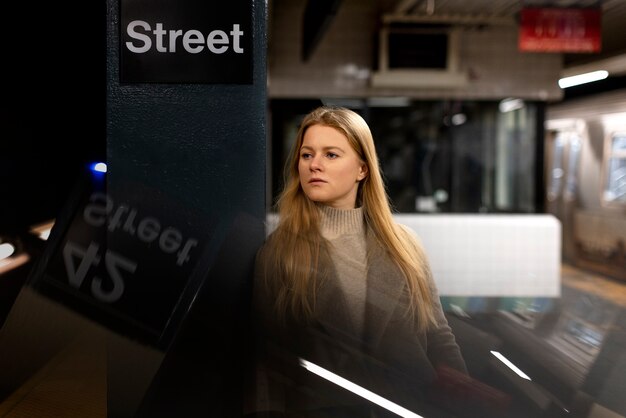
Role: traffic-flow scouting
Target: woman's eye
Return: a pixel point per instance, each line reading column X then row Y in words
column 332, row 155
column 305, row 156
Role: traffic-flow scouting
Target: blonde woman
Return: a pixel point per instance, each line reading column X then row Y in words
column 340, row 285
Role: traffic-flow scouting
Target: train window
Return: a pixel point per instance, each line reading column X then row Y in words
column 615, row 169
column 572, row 167
column 556, row 172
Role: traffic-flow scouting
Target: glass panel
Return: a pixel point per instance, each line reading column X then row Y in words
column 615, row 190
column 569, row 347
column 572, row 167
column 619, row 143
column 616, row 187
column 555, row 176
column 437, row 156
column 515, row 160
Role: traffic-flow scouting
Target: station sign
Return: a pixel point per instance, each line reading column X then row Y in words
column 566, row 30
column 186, row 41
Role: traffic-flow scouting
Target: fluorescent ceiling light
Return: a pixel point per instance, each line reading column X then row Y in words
column 583, row 78
column 356, row 389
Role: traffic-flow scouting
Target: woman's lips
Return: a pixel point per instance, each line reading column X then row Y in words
column 317, row 181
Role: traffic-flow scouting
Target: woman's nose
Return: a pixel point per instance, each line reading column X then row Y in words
column 316, row 164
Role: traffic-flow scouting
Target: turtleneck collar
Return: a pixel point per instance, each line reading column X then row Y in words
column 340, row 221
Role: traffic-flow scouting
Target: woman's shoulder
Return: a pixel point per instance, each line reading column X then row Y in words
column 273, row 244
column 409, row 234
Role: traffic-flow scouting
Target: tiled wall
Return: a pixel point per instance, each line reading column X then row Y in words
column 486, row 255
column 342, row 63
column 491, row 255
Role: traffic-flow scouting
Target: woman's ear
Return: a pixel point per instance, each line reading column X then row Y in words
column 362, row 172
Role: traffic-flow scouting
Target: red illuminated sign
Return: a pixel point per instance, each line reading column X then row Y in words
column 560, row 30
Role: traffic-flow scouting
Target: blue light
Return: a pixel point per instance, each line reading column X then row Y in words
column 99, row 167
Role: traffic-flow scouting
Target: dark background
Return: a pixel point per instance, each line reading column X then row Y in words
column 55, row 107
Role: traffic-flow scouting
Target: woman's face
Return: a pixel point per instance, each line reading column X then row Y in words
column 330, row 170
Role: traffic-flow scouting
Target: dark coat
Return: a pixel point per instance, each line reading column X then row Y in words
column 390, row 357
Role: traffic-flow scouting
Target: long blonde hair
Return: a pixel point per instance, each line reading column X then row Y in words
column 297, row 243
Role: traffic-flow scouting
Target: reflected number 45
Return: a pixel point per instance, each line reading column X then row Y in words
column 88, row 257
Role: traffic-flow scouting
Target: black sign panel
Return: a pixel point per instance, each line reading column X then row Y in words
column 186, row 41
column 127, row 259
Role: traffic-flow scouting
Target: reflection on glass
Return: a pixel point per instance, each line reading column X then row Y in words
column 358, row 390
column 510, row 365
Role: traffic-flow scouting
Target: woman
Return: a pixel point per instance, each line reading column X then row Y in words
column 340, row 285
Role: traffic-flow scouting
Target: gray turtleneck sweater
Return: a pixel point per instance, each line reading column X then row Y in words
column 345, row 231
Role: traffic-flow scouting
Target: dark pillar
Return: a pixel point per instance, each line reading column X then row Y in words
column 148, row 268
column 186, row 139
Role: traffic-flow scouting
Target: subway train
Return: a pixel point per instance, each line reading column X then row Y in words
column 585, row 160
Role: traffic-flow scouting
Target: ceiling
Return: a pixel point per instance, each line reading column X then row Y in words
column 613, row 51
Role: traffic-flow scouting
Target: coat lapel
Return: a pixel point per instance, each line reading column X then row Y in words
column 331, row 305
column 385, row 285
